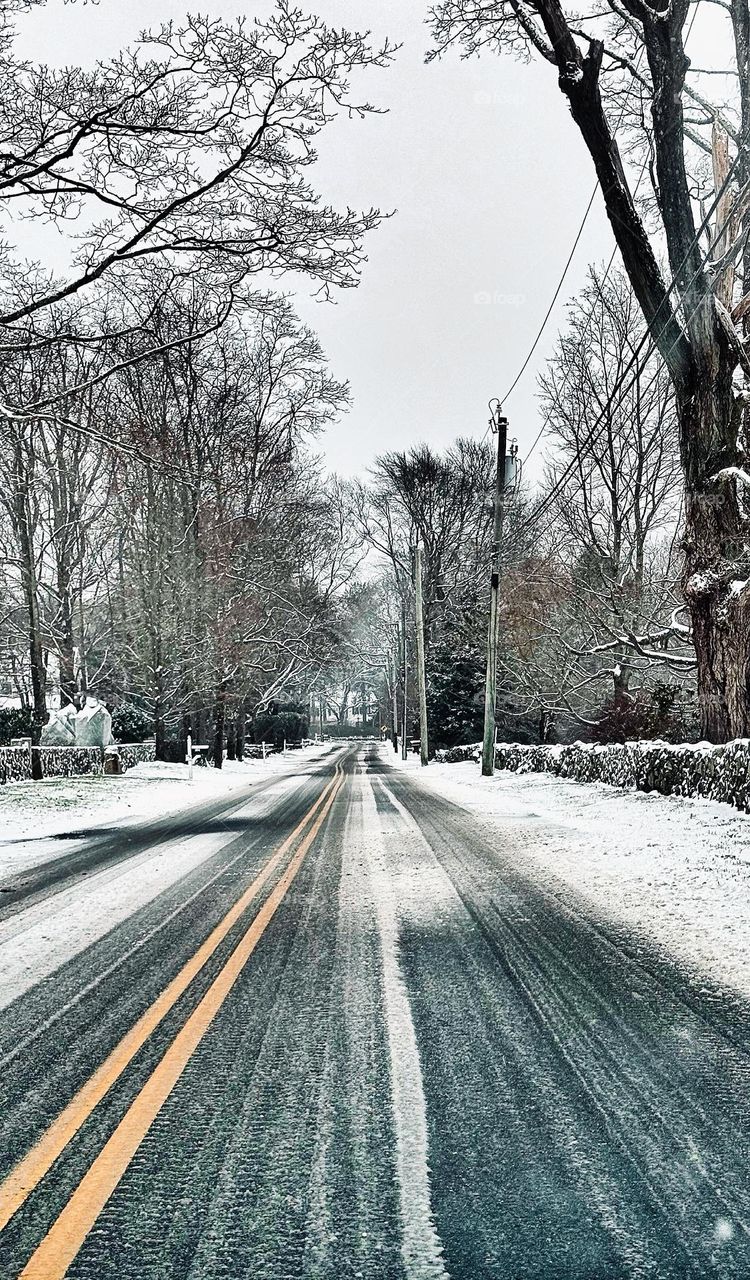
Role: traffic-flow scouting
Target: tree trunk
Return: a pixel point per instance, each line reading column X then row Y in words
column 220, row 712
column 231, row 723
column 37, row 668
column 68, row 682
column 240, row 730
column 160, row 729
column 717, row 563
column 621, row 683
column 722, row 643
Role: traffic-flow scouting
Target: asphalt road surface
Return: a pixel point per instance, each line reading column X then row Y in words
column 358, row 1040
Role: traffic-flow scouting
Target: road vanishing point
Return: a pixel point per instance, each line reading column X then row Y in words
column 359, row 1040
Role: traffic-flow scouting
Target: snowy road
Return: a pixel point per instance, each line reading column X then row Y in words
column 352, row 1033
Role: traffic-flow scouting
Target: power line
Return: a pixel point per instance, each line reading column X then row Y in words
column 568, row 262
column 555, row 296
column 605, row 277
column 589, row 318
column 646, row 337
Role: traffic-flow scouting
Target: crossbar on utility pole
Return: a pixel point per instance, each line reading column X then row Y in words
column 422, row 679
column 499, row 424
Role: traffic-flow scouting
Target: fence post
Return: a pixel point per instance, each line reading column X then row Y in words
column 190, row 757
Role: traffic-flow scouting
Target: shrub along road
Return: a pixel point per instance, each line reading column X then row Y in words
column 356, row 1040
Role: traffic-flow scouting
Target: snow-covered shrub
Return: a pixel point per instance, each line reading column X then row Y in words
column 130, row 724
column 60, row 729
column 93, row 725
column 15, row 722
column 287, row 722
column 454, row 755
column 667, row 712
column 455, row 672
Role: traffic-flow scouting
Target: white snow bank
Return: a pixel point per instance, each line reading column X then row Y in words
column 32, row 814
column 44, row 936
column 41, row 937
column 673, row 870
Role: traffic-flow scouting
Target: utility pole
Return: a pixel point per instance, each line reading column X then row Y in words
column 499, row 425
column 421, row 678
column 393, row 673
column 405, row 679
column 322, row 709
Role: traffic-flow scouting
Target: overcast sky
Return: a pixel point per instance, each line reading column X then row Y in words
column 488, row 179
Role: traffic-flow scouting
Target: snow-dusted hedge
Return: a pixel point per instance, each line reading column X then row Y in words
column 455, row 755
column 133, row 753
column 69, row 762
column 15, row 764
column 713, row 772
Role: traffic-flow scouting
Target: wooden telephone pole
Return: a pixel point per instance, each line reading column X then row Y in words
column 422, row 679
column 405, row 679
column 499, row 425
column 393, row 671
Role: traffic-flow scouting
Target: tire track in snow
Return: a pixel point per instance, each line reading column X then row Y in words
column 421, row 1246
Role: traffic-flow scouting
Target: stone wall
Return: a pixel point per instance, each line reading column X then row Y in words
column 712, row 772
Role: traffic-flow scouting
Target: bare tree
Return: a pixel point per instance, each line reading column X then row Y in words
column 233, row 550
column 441, row 501
column 616, row 488
column 54, row 490
column 444, row 501
column 597, row 55
column 194, row 144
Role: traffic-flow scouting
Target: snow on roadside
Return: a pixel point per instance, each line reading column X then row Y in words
column 34, row 815
column 38, row 939
column 674, row 870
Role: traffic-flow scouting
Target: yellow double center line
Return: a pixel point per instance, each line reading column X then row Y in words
column 59, row 1247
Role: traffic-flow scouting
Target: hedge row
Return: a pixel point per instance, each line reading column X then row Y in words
column 68, row 762
column 711, row 772
column 15, row 764
column 133, row 753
